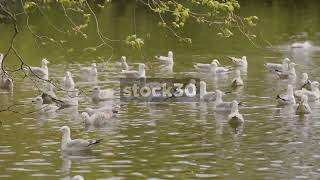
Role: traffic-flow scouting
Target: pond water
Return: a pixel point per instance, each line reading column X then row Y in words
column 168, row 140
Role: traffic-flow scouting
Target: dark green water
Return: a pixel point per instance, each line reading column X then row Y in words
column 173, row 140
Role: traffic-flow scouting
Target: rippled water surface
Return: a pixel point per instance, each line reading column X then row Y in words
column 171, row 140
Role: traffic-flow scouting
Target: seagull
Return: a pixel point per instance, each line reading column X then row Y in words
column 303, row 107
column 71, row 99
column 67, row 82
column 304, row 45
column 290, row 74
column 166, row 59
column 48, row 96
column 205, row 67
column 6, row 83
column 97, row 118
column 67, row 144
column 77, row 177
column 40, row 72
column 1, row 59
column 237, row 81
column 89, row 72
column 141, row 73
column 221, row 105
column 235, row 117
column 240, row 62
column 114, row 110
column 287, row 98
column 313, row 95
column 101, row 94
column 217, row 70
column 44, row 108
column 273, row 67
column 305, row 82
column 124, row 65
column 204, row 95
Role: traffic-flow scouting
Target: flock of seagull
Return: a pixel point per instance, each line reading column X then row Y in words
column 306, row 91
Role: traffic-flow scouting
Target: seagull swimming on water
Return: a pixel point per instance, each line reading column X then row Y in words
column 313, row 95
column 166, row 59
column 305, row 82
column 141, row 73
column 273, row 67
column 205, row 67
column 39, row 72
column 101, row 94
column 44, row 108
column 221, row 105
column 290, row 74
column 287, row 98
column 239, row 62
column 89, row 72
column 67, row 144
column 237, row 81
column 67, row 82
column 303, row 106
column 235, row 117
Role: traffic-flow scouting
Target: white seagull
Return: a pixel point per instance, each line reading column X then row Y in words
column 166, row 59
column 313, row 95
column 101, row 94
column 40, row 72
column 205, row 67
column 6, row 83
column 97, row 118
column 235, row 117
column 273, row 67
column 89, row 72
column 305, row 82
column 304, row 45
column 290, row 74
column 67, row 82
column 287, row 98
column 237, row 81
column 240, row 62
column 67, row 144
column 221, row 105
column 141, row 73
column 1, row 59
column 303, row 106
column 44, row 108
column 217, row 70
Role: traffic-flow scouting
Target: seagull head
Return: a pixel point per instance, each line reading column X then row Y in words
column 85, row 116
column 305, row 76
column 93, row 65
column 314, row 84
column 203, row 84
column 192, row 81
column 45, row 61
column 65, row 129
column 216, row 61
column 286, row 60
column 68, row 74
column 123, row 59
column 38, row 100
column 141, row 66
column 292, row 65
column 244, row 58
column 170, row 54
